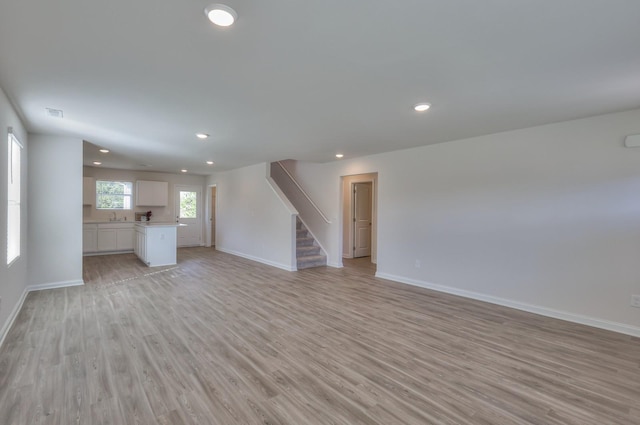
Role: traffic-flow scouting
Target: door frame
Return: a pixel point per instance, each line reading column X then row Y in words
column 354, row 234
column 208, row 241
column 347, row 231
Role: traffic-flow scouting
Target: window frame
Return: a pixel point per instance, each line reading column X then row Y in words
column 14, row 198
column 124, row 195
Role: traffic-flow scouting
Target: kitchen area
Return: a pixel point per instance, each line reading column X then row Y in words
column 149, row 214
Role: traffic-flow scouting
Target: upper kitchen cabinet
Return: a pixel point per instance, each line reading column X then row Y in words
column 88, row 191
column 152, row 194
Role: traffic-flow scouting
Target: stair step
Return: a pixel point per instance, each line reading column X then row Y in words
column 304, row 241
column 311, row 261
column 303, row 251
column 301, row 233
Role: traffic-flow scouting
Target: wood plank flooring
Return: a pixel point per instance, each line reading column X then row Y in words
column 219, row 339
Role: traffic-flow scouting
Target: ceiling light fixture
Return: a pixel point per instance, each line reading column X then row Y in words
column 104, row 150
column 421, row 107
column 339, row 155
column 209, row 162
column 97, row 163
column 202, row 135
column 184, row 171
column 221, row 15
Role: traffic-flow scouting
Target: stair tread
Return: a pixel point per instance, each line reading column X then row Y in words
column 308, row 248
column 312, row 257
column 308, row 254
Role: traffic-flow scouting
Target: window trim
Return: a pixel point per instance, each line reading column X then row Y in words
column 13, row 142
column 124, row 195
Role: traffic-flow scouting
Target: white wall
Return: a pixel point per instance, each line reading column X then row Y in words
column 252, row 220
column 167, row 213
column 13, row 279
column 55, row 215
column 545, row 219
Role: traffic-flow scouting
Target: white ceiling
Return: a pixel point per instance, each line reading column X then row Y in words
column 308, row 79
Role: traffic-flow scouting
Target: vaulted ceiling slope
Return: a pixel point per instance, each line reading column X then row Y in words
column 308, row 79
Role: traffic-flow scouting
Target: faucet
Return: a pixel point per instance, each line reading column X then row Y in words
column 115, row 218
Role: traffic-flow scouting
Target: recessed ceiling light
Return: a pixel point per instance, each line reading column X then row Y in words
column 421, row 107
column 209, row 162
column 221, row 15
column 104, row 150
column 339, row 155
column 184, row 171
column 97, row 163
column 202, row 135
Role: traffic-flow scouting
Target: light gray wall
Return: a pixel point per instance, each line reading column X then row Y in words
column 252, row 220
column 545, row 219
column 167, row 213
column 55, row 214
column 13, row 279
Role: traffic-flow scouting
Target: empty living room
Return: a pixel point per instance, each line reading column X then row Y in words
column 419, row 212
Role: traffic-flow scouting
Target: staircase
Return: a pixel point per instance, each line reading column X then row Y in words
column 307, row 250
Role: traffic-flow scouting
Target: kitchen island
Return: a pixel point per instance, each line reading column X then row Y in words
column 156, row 243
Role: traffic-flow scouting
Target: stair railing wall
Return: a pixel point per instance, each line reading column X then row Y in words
column 313, row 218
column 293, row 213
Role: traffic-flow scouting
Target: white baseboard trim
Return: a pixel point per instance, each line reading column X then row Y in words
column 12, row 316
column 543, row 311
column 54, row 285
column 259, row 260
column 94, row 254
column 14, row 313
column 336, row 264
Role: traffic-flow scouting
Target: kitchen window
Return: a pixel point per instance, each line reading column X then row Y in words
column 114, row 195
column 13, row 198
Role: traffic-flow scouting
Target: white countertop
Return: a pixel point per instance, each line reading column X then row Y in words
column 158, row 224
column 106, row 221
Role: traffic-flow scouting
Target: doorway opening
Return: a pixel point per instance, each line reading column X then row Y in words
column 359, row 220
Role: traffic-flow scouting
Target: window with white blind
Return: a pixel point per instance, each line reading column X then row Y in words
column 13, row 198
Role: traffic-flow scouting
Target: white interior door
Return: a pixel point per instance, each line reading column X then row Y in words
column 362, row 215
column 188, row 211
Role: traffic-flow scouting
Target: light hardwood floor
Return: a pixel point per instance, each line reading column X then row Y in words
column 222, row 340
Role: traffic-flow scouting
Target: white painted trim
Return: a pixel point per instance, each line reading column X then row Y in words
column 336, row 265
column 543, row 311
column 259, row 260
column 12, row 317
column 93, row 254
column 54, row 285
column 31, row 288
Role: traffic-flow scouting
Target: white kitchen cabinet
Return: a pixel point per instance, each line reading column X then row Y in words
column 108, row 237
column 140, row 246
column 156, row 243
column 89, row 238
column 88, row 191
column 152, row 194
column 124, row 239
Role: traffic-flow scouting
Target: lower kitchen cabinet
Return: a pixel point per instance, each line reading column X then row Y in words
column 108, row 237
column 89, row 238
